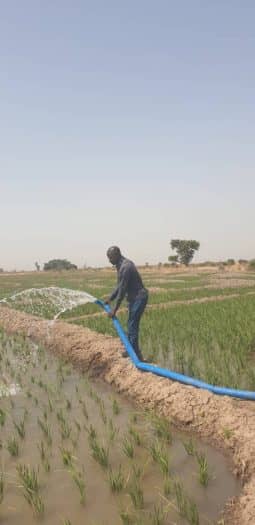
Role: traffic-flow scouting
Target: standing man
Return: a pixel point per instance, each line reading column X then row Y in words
column 130, row 285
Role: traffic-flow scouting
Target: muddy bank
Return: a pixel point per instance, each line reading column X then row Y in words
column 227, row 423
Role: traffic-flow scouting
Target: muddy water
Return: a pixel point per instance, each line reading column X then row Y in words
column 49, row 388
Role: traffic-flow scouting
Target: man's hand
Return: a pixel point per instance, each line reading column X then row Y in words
column 111, row 314
column 107, row 300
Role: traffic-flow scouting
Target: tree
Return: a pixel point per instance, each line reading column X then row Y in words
column 252, row 264
column 59, row 264
column 230, row 262
column 185, row 250
column 37, row 266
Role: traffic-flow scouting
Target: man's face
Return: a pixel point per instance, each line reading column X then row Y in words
column 113, row 258
column 113, row 254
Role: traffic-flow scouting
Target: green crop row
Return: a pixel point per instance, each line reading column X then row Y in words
column 212, row 341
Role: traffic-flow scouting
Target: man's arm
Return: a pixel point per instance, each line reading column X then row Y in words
column 121, row 290
column 113, row 295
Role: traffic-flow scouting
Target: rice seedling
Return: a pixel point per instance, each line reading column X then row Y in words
column 1, row 487
column 112, row 431
column 135, row 435
column 40, row 383
column 137, row 471
column 68, row 404
column 168, row 486
column 65, row 429
column 203, row 475
column 181, row 498
column 102, row 411
column 91, row 432
column 115, row 407
column 158, row 515
column 50, row 404
column 67, row 522
column 79, row 481
column 60, row 415
column 126, row 517
column 160, row 456
column 190, row 447
column 128, row 447
column 99, row 453
column 42, row 450
column 13, row 446
column 161, row 428
column 28, row 477
column 67, row 457
column 136, row 494
column 35, row 501
column 2, row 417
column 29, row 394
column 45, row 427
column 116, row 480
column 192, row 514
column 20, row 427
column 84, row 410
column 78, row 426
column 187, row 508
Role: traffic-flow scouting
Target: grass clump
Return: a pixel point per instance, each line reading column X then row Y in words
column 13, row 446
column 116, row 480
column 79, row 480
column 128, row 447
column 203, row 473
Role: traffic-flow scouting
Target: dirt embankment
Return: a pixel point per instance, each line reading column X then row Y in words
column 227, row 423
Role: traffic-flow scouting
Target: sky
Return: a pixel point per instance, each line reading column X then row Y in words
column 128, row 123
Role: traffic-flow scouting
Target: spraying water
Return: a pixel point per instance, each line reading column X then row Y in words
column 49, row 302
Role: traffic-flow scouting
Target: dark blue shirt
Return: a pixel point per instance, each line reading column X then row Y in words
column 129, row 282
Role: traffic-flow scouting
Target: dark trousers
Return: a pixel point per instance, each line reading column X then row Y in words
column 135, row 310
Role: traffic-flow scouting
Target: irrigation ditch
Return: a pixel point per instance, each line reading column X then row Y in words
column 226, row 424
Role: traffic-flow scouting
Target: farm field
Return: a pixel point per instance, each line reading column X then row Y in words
column 202, row 325
column 68, row 443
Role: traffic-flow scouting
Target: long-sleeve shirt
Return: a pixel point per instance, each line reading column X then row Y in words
column 129, row 282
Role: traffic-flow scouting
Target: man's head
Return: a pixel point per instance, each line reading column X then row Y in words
column 114, row 254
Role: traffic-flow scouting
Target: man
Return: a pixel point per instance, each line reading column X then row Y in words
column 130, row 285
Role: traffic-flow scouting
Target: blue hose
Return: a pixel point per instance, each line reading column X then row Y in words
column 163, row 372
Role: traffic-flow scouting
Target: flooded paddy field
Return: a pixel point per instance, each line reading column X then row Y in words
column 72, row 449
column 199, row 324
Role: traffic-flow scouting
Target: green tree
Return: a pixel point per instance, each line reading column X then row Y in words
column 185, row 250
column 59, row 264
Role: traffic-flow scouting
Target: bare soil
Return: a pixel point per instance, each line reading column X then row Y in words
column 226, row 423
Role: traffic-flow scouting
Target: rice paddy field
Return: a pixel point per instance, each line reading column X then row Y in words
column 202, row 325
column 73, row 451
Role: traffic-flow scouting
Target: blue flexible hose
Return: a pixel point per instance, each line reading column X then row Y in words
column 163, row 372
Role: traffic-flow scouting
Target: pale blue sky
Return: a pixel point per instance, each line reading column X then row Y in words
column 126, row 123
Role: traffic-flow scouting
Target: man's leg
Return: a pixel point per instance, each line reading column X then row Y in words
column 136, row 310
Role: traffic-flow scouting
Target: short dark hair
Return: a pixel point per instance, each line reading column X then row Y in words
column 113, row 250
